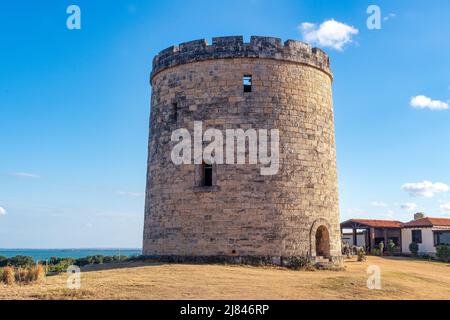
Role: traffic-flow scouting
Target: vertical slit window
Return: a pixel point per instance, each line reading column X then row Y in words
column 174, row 112
column 247, row 81
column 207, row 175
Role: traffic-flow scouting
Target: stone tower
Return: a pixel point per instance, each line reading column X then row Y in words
column 238, row 214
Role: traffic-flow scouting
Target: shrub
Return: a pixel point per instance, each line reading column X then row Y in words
column 120, row 258
column 21, row 274
column 20, row 261
column 108, row 259
column 361, row 254
column 54, row 261
column 298, row 263
column 35, row 273
column 59, row 268
column 443, row 252
column 381, row 247
column 98, row 259
column 8, row 276
column 58, row 265
column 136, row 258
column 82, row 261
column 3, row 261
column 391, row 247
column 414, row 248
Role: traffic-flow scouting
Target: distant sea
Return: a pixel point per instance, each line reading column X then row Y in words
column 43, row 254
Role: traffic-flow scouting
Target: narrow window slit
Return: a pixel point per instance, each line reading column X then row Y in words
column 207, row 175
column 247, row 81
column 174, row 112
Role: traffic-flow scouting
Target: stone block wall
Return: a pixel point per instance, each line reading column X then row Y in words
column 244, row 214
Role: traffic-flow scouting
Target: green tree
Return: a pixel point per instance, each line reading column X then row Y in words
column 443, row 252
column 3, row 261
column 20, row 261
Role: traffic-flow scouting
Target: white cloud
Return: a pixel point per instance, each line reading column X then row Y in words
column 2, row 211
column 331, row 34
column 423, row 102
column 445, row 206
column 379, row 204
column 425, row 189
column 409, row 206
column 24, row 175
column 130, row 194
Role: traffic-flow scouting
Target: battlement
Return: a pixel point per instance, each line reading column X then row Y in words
column 234, row 47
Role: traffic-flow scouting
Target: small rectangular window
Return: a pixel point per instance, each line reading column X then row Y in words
column 247, row 81
column 174, row 112
column 207, row 175
column 416, row 236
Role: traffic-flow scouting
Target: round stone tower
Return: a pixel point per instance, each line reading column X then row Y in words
column 232, row 212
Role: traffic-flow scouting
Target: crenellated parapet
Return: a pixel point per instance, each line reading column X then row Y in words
column 234, row 47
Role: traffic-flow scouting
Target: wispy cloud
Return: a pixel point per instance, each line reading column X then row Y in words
column 130, row 194
column 24, row 175
column 330, row 33
column 2, row 211
column 409, row 206
column 424, row 102
column 445, row 207
column 425, row 189
column 379, row 204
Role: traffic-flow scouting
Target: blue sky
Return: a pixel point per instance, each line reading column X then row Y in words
column 74, row 107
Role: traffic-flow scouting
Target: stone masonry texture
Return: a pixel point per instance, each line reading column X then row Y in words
column 244, row 214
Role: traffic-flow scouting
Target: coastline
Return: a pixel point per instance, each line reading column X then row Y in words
column 43, row 254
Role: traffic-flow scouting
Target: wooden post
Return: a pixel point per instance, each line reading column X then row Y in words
column 355, row 239
column 372, row 239
column 367, row 240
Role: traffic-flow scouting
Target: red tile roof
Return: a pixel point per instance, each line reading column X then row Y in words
column 374, row 223
column 427, row 222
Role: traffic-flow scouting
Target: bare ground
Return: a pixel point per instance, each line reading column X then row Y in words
column 401, row 278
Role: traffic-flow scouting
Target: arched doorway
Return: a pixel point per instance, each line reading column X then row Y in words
column 322, row 242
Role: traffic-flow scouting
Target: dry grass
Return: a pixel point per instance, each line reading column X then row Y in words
column 402, row 278
column 8, row 276
column 35, row 273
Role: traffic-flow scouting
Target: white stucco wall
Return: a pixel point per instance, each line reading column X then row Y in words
column 427, row 245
